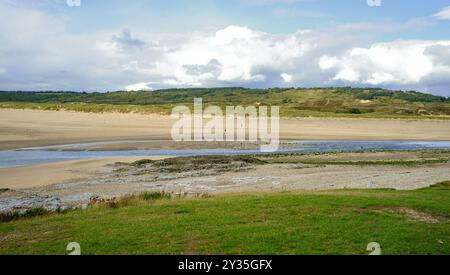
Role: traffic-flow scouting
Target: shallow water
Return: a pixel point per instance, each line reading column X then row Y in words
column 41, row 155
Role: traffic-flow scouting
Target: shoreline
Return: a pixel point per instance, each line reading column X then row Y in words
column 42, row 175
column 36, row 128
column 78, row 181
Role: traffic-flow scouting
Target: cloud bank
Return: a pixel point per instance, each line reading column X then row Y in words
column 48, row 57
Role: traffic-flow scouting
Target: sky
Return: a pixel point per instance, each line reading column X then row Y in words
column 109, row 45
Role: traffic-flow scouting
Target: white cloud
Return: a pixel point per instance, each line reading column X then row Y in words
column 142, row 86
column 347, row 74
column 399, row 62
column 378, row 78
column 286, row 77
column 48, row 57
column 327, row 62
column 444, row 14
column 239, row 54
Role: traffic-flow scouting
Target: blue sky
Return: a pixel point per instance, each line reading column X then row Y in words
column 110, row 45
column 275, row 16
column 266, row 15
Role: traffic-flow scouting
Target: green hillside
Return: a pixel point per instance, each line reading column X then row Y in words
column 294, row 102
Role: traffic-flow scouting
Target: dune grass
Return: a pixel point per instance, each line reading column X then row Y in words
column 328, row 222
column 294, row 102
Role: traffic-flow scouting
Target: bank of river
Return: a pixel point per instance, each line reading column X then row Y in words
column 51, row 154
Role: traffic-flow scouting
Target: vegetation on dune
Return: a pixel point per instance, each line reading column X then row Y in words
column 295, row 102
column 328, row 222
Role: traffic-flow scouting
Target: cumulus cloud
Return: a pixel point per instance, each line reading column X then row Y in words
column 399, row 63
column 232, row 55
column 444, row 14
column 48, row 57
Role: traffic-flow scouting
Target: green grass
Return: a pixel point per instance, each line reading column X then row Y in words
column 442, row 185
column 152, row 196
column 328, row 222
column 34, row 212
column 294, row 102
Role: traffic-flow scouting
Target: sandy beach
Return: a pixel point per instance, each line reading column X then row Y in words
column 60, row 172
column 28, row 128
column 72, row 184
column 75, row 182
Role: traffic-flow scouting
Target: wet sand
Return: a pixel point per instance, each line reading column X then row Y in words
column 61, row 172
column 107, row 175
column 76, row 182
column 29, row 128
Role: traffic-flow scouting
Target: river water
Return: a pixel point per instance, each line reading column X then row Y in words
column 41, row 155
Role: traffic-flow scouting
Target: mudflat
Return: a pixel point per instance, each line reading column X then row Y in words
column 28, row 128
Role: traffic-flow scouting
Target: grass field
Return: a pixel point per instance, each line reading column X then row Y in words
column 294, row 102
column 331, row 222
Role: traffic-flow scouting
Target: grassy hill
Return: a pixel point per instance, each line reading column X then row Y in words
column 327, row 222
column 294, row 102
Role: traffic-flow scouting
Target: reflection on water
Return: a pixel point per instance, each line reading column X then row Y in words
column 31, row 156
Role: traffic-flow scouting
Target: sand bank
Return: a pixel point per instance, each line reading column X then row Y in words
column 61, row 172
column 28, row 128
